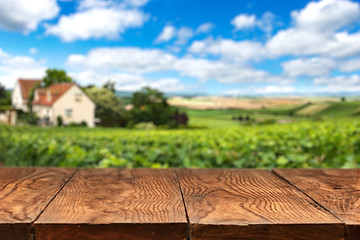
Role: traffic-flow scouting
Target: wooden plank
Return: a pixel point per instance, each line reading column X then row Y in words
column 252, row 204
column 116, row 204
column 338, row 190
column 24, row 194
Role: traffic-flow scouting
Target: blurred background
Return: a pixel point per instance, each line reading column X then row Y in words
column 158, row 83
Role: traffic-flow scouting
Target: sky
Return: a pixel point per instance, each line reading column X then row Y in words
column 228, row 47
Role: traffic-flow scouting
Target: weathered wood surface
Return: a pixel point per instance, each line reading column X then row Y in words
column 252, row 204
column 55, row 203
column 24, row 194
column 116, row 204
column 338, row 190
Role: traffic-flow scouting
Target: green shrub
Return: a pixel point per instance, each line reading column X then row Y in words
column 300, row 144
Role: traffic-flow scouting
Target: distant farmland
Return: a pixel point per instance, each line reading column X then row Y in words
column 207, row 103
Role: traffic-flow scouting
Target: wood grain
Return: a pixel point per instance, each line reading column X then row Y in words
column 24, row 194
column 116, row 204
column 252, row 204
column 338, row 190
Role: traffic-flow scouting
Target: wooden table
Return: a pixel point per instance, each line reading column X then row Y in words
column 61, row 203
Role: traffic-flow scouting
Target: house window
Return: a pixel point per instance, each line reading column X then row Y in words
column 78, row 97
column 68, row 112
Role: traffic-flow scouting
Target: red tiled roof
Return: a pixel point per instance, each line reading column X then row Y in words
column 26, row 85
column 55, row 90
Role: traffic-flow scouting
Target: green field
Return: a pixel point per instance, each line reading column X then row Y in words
column 332, row 143
column 223, row 118
column 333, row 140
column 213, row 118
column 327, row 110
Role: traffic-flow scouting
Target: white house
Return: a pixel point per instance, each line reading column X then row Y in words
column 20, row 94
column 65, row 100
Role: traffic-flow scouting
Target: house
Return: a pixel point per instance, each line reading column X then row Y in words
column 20, row 94
column 66, row 101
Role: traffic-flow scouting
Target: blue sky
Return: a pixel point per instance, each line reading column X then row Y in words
column 211, row 47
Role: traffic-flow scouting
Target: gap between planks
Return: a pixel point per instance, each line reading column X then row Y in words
column 303, row 192
column 183, row 200
column 51, row 200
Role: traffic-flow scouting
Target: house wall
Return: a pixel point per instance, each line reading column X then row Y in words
column 4, row 118
column 17, row 100
column 75, row 106
column 8, row 117
column 43, row 112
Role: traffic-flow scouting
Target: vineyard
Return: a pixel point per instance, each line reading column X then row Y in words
column 303, row 144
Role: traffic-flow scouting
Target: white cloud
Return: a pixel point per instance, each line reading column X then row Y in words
column 315, row 31
column 338, row 83
column 127, row 81
column 33, row 50
column 137, row 61
column 203, row 70
column 3, row 54
column 243, row 21
column 167, row 34
column 124, row 59
column 24, row 15
column 273, row 89
column 240, row 51
column 266, row 23
column 183, row 35
column 168, row 85
column 87, row 4
column 309, row 67
column 339, row 80
column 204, row 28
column 296, row 42
column 14, row 67
column 97, row 19
column 326, row 15
column 350, row 65
column 266, row 90
column 299, row 42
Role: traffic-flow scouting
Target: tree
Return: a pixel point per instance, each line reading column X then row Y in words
column 108, row 107
column 150, row 105
column 55, row 76
column 2, row 91
column 110, row 85
column 5, row 96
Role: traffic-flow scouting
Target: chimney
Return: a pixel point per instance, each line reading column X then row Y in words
column 48, row 96
column 36, row 96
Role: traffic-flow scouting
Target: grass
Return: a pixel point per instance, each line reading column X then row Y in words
column 341, row 109
column 312, row 109
column 223, row 118
column 213, row 118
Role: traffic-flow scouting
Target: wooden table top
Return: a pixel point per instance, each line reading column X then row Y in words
column 66, row 203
